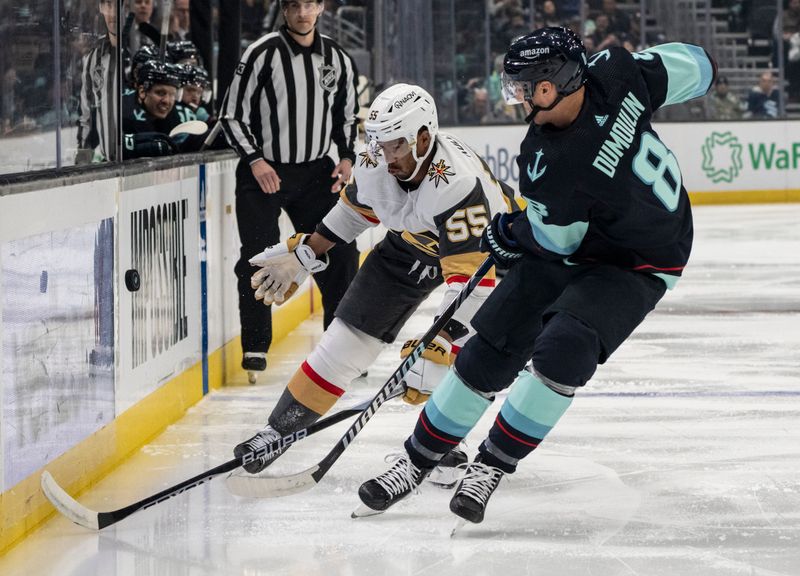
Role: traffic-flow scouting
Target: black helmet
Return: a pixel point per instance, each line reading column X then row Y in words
column 181, row 51
column 154, row 72
column 553, row 53
column 195, row 76
column 143, row 54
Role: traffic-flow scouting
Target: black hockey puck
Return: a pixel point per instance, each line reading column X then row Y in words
column 132, row 280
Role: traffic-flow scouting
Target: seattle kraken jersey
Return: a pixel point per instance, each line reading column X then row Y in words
column 607, row 189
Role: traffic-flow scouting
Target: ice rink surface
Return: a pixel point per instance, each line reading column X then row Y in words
column 680, row 457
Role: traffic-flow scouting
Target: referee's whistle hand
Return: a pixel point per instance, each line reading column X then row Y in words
column 266, row 176
column 341, row 173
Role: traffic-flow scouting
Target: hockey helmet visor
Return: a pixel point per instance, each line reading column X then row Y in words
column 389, row 151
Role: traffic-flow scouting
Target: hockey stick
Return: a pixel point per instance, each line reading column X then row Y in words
column 269, row 487
column 92, row 520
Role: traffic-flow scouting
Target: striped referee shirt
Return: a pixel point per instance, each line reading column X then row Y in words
column 97, row 121
column 287, row 102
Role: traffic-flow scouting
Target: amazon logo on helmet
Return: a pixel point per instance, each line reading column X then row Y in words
column 553, row 53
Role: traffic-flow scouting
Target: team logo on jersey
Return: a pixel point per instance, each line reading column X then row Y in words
column 601, row 120
column 533, row 172
column 367, row 160
column 139, row 115
column 438, row 172
column 722, row 157
column 327, row 77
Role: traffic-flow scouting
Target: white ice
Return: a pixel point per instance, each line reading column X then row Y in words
column 680, row 457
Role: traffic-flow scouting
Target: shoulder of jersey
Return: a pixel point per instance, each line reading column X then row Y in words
column 613, row 69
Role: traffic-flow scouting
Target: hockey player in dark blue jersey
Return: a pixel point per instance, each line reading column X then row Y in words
column 607, row 230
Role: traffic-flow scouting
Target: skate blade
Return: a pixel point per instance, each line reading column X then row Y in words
column 460, row 523
column 364, row 511
column 252, row 377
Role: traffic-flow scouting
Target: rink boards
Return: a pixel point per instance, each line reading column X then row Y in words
column 92, row 370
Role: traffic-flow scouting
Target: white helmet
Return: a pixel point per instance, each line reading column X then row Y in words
column 400, row 112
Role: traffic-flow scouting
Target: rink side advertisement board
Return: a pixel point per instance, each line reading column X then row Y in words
column 720, row 161
column 158, row 241
column 56, row 321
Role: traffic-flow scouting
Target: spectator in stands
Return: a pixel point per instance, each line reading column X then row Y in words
column 253, row 14
column 791, row 45
column 548, row 15
column 494, row 83
column 142, row 14
column 97, row 122
column 618, row 21
column 762, row 102
column 477, row 106
column 724, row 104
column 179, row 21
column 602, row 37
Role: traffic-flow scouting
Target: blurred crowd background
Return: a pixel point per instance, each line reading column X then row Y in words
column 50, row 85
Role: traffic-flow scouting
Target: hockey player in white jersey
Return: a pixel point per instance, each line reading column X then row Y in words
column 435, row 196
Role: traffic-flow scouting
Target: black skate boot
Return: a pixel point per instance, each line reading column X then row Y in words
column 257, row 444
column 254, row 363
column 385, row 490
column 474, row 490
column 449, row 469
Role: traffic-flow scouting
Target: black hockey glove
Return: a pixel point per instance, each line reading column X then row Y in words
column 497, row 240
column 148, row 144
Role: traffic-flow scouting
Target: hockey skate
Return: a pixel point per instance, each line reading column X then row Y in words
column 383, row 491
column 257, row 443
column 449, row 470
column 254, row 363
column 473, row 492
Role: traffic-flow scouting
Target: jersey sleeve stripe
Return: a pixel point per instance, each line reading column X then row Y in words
column 464, row 265
column 366, row 212
column 689, row 71
column 463, row 279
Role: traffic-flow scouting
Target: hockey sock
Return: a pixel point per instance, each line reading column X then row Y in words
column 450, row 413
column 307, row 397
column 527, row 416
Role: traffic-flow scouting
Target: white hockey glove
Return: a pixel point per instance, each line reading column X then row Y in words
column 428, row 371
column 284, row 267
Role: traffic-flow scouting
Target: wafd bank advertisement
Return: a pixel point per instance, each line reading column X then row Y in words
column 753, row 157
column 159, row 286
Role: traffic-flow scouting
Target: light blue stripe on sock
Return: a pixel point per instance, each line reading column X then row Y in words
column 530, row 398
column 523, row 424
column 453, row 408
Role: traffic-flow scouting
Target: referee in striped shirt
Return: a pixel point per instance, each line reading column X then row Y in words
column 97, row 121
column 293, row 94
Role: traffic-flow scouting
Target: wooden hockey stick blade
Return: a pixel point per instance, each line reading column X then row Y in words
column 88, row 518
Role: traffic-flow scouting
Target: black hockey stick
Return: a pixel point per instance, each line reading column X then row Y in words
column 92, row 520
column 269, row 487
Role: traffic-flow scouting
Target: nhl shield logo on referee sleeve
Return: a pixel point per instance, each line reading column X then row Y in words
column 327, row 77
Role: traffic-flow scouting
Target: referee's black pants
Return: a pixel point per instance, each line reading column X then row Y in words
column 306, row 197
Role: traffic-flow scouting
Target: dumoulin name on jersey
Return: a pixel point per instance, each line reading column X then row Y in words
column 606, row 189
column 620, row 137
column 442, row 218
